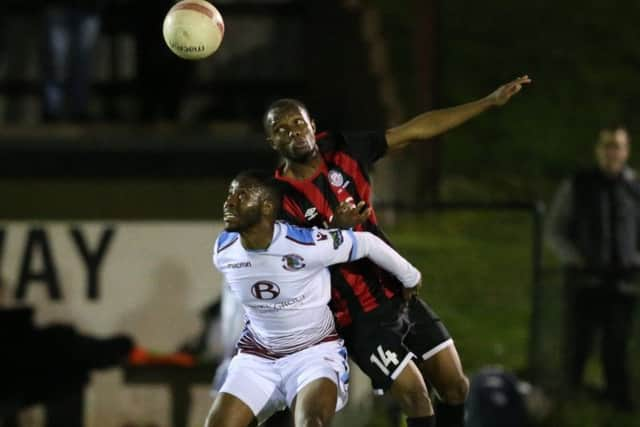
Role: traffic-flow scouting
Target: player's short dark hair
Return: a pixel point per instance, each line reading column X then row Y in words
column 267, row 181
column 282, row 104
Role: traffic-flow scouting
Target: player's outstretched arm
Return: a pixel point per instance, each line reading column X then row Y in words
column 436, row 122
column 367, row 245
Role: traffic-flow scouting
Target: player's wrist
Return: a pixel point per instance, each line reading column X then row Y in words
column 414, row 281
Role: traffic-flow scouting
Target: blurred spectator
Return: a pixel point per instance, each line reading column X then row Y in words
column 593, row 227
column 49, row 365
column 495, row 400
column 17, row 54
column 71, row 34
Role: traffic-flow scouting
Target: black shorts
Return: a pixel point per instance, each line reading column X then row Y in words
column 384, row 341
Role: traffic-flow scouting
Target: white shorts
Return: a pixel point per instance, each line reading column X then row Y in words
column 268, row 386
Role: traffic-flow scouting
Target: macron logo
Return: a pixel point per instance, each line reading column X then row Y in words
column 238, row 265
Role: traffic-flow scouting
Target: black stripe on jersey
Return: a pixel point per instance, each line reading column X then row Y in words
column 305, row 204
column 348, row 297
column 368, row 225
column 369, row 273
column 351, row 188
column 322, row 183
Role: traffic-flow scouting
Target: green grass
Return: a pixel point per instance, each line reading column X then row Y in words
column 477, row 276
column 477, row 271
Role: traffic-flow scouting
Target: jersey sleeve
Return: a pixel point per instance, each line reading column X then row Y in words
column 367, row 147
column 368, row 245
column 332, row 246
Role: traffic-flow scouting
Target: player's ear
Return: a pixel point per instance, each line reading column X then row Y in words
column 313, row 125
column 268, row 208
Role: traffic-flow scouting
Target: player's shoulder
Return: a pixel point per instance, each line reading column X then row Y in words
column 329, row 141
column 304, row 236
column 225, row 240
column 313, row 236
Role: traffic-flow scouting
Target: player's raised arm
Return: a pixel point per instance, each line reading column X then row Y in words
column 436, row 122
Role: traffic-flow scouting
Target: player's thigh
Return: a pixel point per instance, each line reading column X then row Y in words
column 444, row 371
column 315, row 403
column 410, row 391
column 377, row 348
column 256, row 382
column 438, row 358
column 427, row 335
column 325, row 365
column 229, row 411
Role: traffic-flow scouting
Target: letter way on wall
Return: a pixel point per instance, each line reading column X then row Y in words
column 148, row 279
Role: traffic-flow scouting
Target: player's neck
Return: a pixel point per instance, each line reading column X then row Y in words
column 302, row 170
column 258, row 237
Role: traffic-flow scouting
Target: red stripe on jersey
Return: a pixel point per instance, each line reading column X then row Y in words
column 292, row 208
column 360, row 289
column 340, row 308
column 389, row 293
column 351, row 167
column 310, row 191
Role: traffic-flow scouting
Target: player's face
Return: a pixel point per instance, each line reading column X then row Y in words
column 292, row 133
column 613, row 151
column 243, row 206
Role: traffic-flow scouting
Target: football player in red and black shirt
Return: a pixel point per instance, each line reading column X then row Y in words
column 326, row 183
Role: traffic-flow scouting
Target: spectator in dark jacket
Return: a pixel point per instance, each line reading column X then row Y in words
column 71, row 35
column 594, row 229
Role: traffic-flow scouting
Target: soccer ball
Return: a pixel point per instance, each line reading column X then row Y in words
column 193, row 29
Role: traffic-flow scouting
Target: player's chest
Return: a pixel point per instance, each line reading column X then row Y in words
column 269, row 277
column 319, row 199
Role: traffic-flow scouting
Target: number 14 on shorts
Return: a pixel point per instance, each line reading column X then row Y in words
column 383, row 359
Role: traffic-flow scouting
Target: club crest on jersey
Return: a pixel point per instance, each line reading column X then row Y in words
column 311, row 213
column 335, row 178
column 336, row 236
column 265, row 290
column 293, row 262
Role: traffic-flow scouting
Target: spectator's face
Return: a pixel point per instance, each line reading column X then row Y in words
column 612, row 150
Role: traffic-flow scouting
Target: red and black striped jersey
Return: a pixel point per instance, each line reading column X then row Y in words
column 357, row 287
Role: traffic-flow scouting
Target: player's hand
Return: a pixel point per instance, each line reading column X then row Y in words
column 504, row 93
column 348, row 214
column 409, row 293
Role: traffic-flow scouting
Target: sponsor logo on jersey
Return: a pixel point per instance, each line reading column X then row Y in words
column 238, row 265
column 283, row 305
column 336, row 236
column 311, row 213
column 265, row 290
column 293, row 262
column 335, row 178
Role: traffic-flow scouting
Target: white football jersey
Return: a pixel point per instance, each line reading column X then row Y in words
column 285, row 289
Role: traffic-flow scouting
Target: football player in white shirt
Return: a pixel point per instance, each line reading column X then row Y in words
column 289, row 353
